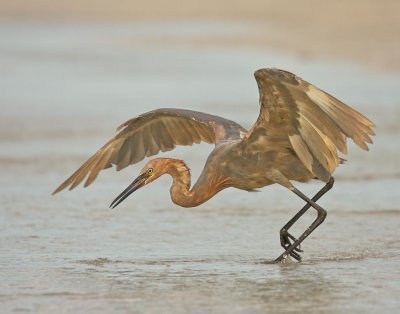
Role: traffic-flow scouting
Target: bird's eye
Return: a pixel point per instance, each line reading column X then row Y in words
column 150, row 171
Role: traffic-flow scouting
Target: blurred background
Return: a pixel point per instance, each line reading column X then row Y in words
column 72, row 71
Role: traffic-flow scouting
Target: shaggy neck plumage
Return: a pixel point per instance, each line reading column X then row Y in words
column 180, row 189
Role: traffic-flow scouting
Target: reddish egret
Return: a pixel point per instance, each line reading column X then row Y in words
column 297, row 136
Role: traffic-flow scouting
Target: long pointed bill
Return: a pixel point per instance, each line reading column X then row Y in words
column 137, row 184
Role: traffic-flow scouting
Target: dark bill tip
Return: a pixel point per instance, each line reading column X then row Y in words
column 136, row 184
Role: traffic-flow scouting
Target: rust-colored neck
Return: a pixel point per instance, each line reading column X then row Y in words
column 180, row 191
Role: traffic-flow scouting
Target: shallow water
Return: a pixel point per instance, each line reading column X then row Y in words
column 65, row 87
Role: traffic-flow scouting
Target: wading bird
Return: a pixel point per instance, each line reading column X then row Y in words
column 296, row 137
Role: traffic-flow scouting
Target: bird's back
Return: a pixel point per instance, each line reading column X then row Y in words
column 233, row 167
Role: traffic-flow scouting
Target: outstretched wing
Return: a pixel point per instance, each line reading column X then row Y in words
column 306, row 119
column 150, row 133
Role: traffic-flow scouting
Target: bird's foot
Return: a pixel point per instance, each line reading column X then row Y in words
column 286, row 243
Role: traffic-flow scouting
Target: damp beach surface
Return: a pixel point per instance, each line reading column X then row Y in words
column 65, row 87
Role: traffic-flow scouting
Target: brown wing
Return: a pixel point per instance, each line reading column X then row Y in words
column 308, row 120
column 150, row 133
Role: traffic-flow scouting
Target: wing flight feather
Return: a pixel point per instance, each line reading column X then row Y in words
column 310, row 121
column 150, row 133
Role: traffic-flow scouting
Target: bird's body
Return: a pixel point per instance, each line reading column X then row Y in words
column 296, row 137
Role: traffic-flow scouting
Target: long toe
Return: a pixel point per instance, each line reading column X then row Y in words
column 296, row 256
column 298, row 249
column 286, row 243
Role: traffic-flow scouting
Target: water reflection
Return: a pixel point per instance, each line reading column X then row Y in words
column 249, row 285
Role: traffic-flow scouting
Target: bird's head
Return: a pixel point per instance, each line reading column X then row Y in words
column 150, row 172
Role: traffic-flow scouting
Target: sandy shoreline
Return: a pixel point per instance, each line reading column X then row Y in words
column 363, row 31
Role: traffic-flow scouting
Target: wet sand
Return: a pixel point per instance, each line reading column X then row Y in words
column 67, row 85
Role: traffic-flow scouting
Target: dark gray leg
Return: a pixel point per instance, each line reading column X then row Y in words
column 285, row 236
